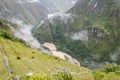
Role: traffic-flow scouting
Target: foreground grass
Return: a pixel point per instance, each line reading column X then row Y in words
column 3, row 70
column 23, row 60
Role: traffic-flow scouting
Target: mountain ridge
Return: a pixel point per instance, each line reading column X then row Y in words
column 92, row 19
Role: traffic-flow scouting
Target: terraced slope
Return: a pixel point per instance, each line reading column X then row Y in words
column 18, row 59
column 23, row 60
column 3, row 70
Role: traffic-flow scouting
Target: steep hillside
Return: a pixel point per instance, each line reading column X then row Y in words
column 28, row 14
column 17, row 59
column 101, row 19
column 23, row 60
column 89, row 32
column 5, row 29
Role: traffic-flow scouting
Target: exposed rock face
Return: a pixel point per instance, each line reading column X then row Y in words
column 50, row 46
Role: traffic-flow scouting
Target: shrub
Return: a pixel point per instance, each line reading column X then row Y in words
column 64, row 76
column 5, row 34
column 110, row 76
column 42, row 76
column 99, row 75
column 33, row 57
column 110, row 72
column 109, row 68
column 33, row 52
column 18, row 57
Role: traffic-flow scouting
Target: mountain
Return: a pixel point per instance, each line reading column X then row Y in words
column 101, row 19
column 28, row 12
column 19, row 61
column 89, row 32
column 32, row 11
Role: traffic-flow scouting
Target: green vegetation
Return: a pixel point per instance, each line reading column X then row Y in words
column 6, row 32
column 3, row 70
column 104, row 39
column 64, row 76
column 110, row 72
column 77, row 51
column 23, row 59
column 22, row 62
column 42, row 76
column 102, row 24
column 5, row 29
column 38, row 77
column 106, row 23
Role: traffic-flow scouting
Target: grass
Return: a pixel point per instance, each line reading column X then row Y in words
column 3, row 69
column 24, row 59
column 84, row 76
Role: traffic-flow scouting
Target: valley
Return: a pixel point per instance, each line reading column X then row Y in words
column 59, row 40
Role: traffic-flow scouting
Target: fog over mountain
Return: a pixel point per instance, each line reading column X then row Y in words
column 31, row 13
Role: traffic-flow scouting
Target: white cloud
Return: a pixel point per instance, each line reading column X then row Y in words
column 30, row 1
column 33, row 1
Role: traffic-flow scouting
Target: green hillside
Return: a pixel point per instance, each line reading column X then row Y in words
column 17, row 58
column 23, row 60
